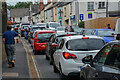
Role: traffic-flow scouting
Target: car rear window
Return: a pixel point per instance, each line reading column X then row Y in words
column 44, row 37
column 84, row 44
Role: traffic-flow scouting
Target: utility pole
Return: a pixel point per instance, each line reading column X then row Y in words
column 107, row 8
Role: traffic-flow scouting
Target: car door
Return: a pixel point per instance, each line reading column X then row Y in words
column 99, row 66
column 59, row 51
column 32, row 40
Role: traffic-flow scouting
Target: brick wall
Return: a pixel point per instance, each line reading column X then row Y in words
column 101, row 22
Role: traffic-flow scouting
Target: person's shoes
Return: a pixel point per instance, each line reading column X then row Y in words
column 10, row 65
column 13, row 63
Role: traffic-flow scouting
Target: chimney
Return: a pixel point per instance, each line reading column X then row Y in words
column 41, row 5
column 49, row 1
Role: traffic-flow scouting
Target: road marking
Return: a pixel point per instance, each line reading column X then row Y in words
column 33, row 60
column 10, row 74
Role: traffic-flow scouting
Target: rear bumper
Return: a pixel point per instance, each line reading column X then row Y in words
column 39, row 47
column 74, row 74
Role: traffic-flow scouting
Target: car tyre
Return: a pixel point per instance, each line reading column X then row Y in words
column 47, row 58
column 35, row 52
column 55, row 69
column 62, row 76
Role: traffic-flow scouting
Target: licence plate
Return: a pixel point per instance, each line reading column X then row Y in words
column 43, row 45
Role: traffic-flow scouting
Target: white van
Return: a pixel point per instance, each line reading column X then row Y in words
column 52, row 25
column 117, row 28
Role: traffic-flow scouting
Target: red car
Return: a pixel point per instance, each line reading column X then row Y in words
column 40, row 39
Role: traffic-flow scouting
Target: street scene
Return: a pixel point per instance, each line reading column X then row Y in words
column 60, row 39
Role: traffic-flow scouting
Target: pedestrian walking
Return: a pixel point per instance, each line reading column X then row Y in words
column 8, row 40
column 71, row 29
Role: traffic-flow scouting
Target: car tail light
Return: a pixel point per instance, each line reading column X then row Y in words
column 36, row 40
column 67, row 55
column 22, row 29
column 68, row 35
column 16, row 28
column 85, row 37
column 31, row 32
column 54, row 45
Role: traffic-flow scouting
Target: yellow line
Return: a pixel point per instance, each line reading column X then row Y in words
column 33, row 61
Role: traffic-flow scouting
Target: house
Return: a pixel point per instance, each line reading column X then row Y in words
column 34, row 10
column 20, row 15
column 42, row 14
column 66, row 14
column 55, row 12
column 48, row 12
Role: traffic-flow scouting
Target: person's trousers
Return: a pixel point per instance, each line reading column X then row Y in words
column 10, row 51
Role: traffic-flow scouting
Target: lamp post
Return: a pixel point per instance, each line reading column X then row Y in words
column 107, row 8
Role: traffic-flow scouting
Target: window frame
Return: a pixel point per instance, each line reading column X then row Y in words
column 90, row 6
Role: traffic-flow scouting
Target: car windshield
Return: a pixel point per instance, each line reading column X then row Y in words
column 34, row 29
column 61, row 29
column 105, row 33
column 45, row 35
column 84, row 44
column 42, row 25
column 54, row 25
column 109, row 56
column 89, row 32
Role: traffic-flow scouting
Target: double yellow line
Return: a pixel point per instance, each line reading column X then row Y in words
column 33, row 58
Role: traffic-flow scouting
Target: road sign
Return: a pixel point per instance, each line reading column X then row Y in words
column 81, row 16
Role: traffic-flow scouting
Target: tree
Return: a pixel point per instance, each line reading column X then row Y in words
column 81, row 24
column 21, row 5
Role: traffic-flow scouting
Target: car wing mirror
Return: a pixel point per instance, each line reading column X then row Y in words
column 88, row 60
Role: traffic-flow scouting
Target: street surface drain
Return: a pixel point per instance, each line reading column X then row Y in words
column 10, row 74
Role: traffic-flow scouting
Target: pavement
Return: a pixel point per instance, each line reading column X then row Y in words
column 21, row 69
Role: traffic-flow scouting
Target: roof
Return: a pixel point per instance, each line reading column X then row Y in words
column 35, row 8
column 21, row 12
column 81, row 36
column 47, row 31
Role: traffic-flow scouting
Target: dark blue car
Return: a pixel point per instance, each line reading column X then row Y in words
column 106, row 34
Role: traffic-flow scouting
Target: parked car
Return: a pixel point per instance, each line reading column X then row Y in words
column 105, row 65
column 53, row 42
column 71, row 50
column 52, row 25
column 40, row 39
column 23, row 30
column 106, row 34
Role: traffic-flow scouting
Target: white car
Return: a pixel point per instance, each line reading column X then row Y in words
column 52, row 25
column 71, row 50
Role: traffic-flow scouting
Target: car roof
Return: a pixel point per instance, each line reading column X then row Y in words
column 114, row 42
column 81, row 36
column 98, row 29
column 44, row 31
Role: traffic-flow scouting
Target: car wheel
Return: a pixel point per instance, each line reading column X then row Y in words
column 55, row 69
column 51, row 62
column 47, row 58
column 35, row 52
column 62, row 76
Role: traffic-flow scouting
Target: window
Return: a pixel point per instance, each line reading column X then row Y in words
column 90, row 5
column 55, row 11
column 65, row 11
column 101, row 57
column 101, row 5
column 20, row 18
column 61, row 44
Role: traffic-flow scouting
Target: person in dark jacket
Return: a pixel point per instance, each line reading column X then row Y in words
column 71, row 29
column 8, row 40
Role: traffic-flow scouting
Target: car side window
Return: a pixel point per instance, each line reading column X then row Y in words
column 34, row 34
column 61, row 44
column 101, row 57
